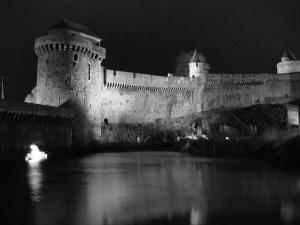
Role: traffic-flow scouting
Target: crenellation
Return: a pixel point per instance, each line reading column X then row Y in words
column 148, row 88
column 47, row 48
column 147, row 80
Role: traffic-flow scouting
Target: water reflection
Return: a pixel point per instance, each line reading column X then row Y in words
column 197, row 215
column 290, row 206
column 162, row 188
column 35, row 177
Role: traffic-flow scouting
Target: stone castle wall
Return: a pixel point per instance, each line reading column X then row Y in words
column 241, row 90
column 231, row 90
column 141, row 98
column 126, row 97
column 134, row 97
column 70, row 74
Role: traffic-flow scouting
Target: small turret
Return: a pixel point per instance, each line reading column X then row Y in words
column 288, row 64
column 196, row 67
column 284, row 57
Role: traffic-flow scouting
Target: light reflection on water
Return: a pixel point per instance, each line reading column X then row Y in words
column 35, row 177
column 160, row 188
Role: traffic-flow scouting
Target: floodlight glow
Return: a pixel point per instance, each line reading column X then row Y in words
column 35, row 155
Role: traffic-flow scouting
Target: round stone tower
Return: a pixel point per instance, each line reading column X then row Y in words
column 69, row 74
column 196, row 67
column 288, row 64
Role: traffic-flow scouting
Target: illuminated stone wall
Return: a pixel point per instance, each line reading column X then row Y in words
column 141, row 98
column 132, row 97
column 70, row 74
column 240, row 90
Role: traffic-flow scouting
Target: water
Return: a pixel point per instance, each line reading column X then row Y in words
column 153, row 188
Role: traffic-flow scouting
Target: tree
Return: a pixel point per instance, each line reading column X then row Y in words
column 182, row 63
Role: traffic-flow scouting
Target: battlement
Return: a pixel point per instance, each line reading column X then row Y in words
column 236, row 77
column 226, row 81
column 147, row 82
column 69, row 41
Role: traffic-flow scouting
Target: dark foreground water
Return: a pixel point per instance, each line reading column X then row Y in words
column 155, row 188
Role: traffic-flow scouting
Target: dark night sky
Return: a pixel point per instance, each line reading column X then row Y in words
column 236, row 36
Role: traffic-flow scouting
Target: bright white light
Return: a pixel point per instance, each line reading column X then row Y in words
column 227, row 138
column 192, row 137
column 204, row 136
column 35, row 155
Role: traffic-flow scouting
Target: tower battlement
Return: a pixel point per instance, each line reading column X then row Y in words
column 139, row 81
column 69, row 41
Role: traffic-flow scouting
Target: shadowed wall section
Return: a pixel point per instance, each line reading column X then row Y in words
column 24, row 124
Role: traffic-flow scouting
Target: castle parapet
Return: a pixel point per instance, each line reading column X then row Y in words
column 138, row 81
column 71, row 37
column 233, row 80
column 66, row 41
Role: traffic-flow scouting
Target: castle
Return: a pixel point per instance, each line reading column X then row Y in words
column 70, row 74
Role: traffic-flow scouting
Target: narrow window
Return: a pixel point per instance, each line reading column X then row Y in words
column 104, row 76
column 89, row 71
column 75, row 57
column 105, row 121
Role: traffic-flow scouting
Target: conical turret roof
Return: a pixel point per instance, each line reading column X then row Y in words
column 70, row 25
column 195, row 57
column 285, row 55
column 289, row 55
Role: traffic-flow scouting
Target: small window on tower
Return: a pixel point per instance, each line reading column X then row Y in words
column 75, row 57
column 89, row 72
column 196, row 64
column 105, row 121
